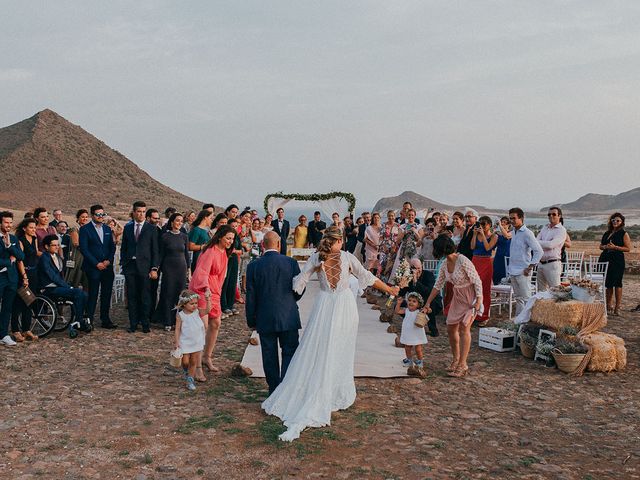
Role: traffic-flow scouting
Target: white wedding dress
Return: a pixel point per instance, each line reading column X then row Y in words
column 319, row 379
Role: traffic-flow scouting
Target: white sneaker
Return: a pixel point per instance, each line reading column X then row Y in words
column 8, row 341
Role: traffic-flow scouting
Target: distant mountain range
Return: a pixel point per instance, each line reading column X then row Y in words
column 48, row 161
column 597, row 203
column 419, row 202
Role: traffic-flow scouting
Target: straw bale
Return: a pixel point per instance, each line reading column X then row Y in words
column 556, row 315
column 608, row 352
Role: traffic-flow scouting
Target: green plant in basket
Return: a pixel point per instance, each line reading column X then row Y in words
column 545, row 348
column 567, row 347
column 512, row 327
column 569, row 331
column 528, row 339
column 531, row 329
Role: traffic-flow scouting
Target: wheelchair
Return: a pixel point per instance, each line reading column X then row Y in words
column 50, row 314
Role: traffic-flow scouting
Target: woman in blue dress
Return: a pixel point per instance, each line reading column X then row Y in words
column 502, row 249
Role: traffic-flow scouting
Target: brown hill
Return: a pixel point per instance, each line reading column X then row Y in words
column 48, row 161
column 419, row 202
column 595, row 202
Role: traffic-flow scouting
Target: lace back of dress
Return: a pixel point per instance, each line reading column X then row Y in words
column 333, row 269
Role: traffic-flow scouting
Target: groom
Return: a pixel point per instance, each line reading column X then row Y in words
column 271, row 307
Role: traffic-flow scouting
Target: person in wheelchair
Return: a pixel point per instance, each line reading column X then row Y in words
column 52, row 283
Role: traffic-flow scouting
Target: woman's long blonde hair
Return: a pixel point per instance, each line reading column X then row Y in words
column 331, row 235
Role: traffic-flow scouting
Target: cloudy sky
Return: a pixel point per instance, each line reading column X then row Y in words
column 495, row 103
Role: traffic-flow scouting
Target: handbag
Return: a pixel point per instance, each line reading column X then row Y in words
column 175, row 358
column 421, row 320
column 26, row 295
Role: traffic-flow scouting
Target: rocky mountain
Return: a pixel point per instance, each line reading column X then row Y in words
column 419, row 202
column 48, row 161
column 595, row 202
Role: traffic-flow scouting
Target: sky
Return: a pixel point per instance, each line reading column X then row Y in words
column 495, row 103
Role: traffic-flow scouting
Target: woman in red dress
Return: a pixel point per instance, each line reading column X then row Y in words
column 209, row 275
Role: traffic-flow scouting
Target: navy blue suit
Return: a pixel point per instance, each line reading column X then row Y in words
column 272, row 310
column 49, row 275
column 8, row 280
column 95, row 251
column 284, row 233
column 137, row 259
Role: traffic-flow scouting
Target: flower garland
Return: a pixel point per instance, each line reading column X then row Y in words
column 313, row 197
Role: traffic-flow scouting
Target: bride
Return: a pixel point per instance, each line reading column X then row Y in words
column 319, row 379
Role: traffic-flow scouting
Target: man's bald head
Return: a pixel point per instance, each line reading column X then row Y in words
column 271, row 241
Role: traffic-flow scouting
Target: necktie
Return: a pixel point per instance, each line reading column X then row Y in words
column 137, row 234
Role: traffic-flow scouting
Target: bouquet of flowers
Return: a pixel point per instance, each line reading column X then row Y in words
column 402, row 278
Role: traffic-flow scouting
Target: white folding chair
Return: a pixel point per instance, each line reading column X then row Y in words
column 597, row 272
column 118, row 289
column 430, row 265
column 502, row 294
column 571, row 269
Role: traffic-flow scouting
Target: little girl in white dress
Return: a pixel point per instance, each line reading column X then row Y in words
column 412, row 336
column 190, row 331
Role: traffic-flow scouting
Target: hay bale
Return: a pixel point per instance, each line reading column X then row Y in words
column 608, row 352
column 556, row 315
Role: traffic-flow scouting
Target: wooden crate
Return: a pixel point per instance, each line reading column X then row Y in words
column 497, row 339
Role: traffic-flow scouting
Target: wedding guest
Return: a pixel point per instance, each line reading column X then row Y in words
column 232, row 211
column 457, row 227
column 209, row 276
column 388, row 247
column 360, row 248
column 483, row 243
column 372, row 243
column 471, row 219
column 422, row 282
column 429, row 231
column 228, row 295
column 190, row 334
column 524, row 254
column 140, row 262
column 199, row 234
column 301, row 233
column 221, row 219
column 350, row 234
column 614, row 243
column 443, row 221
column 412, row 337
column 50, row 266
column 257, row 237
column 10, row 255
column 42, row 227
column 267, row 223
column 436, row 217
column 503, row 231
column 466, row 302
column 282, row 228
column 62, row 227
column 335, row 217
column 316, row 229
column 152, row 217
column 404, row 214
column 174, row 265
column 74, row 274
column 551, row 238
column 167, row 215
column 57, row 217
column 189, row 216
column 21, row 314
column 408, row 239
column 209, row 206
column 246, row 241
column 116, row 229
column 98, row 249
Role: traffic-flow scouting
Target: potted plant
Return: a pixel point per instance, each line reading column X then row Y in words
column 528, row 345
column 568, row 333
column 568, row 355
column 545, row 349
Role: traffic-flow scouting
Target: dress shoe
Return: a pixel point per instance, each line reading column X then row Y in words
column 29, row 336
column 108, row 326
column 17, row 336
column 146, row 330
column 131, row 330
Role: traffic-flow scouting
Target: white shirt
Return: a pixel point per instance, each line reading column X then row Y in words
column 99, row 229
column 524, row 251
column 137, row 228
column 272, row 250
column 551, row 238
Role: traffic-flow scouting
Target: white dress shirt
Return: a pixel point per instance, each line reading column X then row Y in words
column 99, row 229
column 551, row 238
column 524, row 251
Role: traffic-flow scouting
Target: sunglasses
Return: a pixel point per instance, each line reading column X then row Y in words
column 616, row 220
column 552, row 214
column 99, row 215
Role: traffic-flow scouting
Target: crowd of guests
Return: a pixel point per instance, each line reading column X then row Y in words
column 162, row 253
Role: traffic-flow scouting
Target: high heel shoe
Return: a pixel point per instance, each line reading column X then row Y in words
column 459, row 372
column 209, row 364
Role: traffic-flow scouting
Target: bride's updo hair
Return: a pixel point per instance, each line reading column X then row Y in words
column 331, row 235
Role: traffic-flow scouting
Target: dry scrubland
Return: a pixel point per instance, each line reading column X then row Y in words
column 107, row 405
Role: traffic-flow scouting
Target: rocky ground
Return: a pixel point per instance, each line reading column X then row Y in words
column 107, row 405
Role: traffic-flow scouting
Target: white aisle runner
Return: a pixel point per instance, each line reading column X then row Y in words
column 376, row 355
